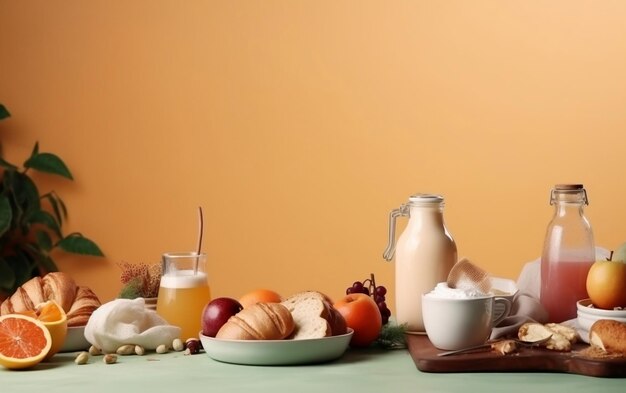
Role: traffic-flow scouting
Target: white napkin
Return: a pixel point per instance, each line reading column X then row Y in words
column 525, row 306
column 128, row 321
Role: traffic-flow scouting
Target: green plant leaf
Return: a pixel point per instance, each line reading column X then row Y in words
column 7, row 277
column 22, row 266
column 35, row 150
column 47, row 219
column 25, row 197
column 48, row 264
column 60, row 212
column 43, row 240
column 4, row 113
column 78, row 244
column 6, row 214
column 49, row 163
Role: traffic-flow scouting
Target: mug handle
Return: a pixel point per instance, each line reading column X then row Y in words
column 507, row 309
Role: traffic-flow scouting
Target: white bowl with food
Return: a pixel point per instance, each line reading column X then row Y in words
column 276, row 352
column 587, row 314
column 75, row 340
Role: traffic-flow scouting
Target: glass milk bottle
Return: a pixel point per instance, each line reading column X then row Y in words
column 425, row 253
column 568, row 253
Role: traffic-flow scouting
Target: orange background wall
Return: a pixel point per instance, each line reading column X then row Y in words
column 298, row 126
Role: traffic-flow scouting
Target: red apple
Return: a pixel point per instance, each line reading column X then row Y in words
column 216, row 313
column 362, row 315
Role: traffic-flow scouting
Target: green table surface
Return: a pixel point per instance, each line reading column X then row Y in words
column 362, row 370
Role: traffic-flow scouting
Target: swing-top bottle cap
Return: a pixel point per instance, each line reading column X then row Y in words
column 426, row 198
column 568, row 187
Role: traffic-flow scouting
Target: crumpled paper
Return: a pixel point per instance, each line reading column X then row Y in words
column 525, row 306
column 128, row 321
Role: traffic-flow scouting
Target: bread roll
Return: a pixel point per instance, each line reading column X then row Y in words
column 314, row 316
column 608, row 335
column 261, row 321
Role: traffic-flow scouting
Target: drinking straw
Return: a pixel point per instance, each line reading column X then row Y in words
column 200, row 230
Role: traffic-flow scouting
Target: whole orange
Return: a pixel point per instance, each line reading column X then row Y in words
column 606, row 284
column 362, row 315
column 260, row 296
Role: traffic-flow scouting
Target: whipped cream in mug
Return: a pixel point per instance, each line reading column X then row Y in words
column 442, row 290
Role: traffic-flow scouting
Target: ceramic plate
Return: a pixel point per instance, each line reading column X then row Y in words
column 75, row 340
column 276, row 352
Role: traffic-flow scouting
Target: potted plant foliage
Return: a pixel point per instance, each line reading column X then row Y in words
column 140, row 280
column 30, row 223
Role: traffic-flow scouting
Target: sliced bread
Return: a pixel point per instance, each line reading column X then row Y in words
column 314, row 316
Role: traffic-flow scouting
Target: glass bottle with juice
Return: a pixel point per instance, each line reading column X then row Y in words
column 184, row 291
column 568, row 253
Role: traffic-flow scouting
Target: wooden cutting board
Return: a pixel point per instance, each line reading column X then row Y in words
column 424, row 355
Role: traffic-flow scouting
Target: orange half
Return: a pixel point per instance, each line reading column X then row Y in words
column 24, row 341
column 54, row 319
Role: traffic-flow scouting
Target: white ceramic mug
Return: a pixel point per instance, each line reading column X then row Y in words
column 453, row 323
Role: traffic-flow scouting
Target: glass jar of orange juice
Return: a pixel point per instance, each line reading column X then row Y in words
column 184, row 291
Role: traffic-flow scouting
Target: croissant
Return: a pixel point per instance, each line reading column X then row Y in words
column 78, row 302
column 261, row 321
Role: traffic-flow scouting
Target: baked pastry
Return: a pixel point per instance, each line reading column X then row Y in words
column 561, row 337
column 609, row 336
column 314, row 316
column 85, row 303
column 261, row 321
column 78, row 302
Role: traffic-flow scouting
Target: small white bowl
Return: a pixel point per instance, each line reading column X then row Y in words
column 587, row 316
column 75, row 340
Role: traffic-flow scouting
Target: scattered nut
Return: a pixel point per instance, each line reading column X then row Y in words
column 162, row 349
column 94, row 351
column 193, row 346
column 109, row 358
column 82, row 358
column 139, row 350
column 178, row 345
column 127, row 349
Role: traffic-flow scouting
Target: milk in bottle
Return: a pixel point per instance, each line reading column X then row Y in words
column 425, row 253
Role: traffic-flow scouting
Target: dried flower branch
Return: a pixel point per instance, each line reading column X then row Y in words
column 139, row 279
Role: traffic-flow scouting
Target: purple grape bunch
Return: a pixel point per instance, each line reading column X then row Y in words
column 376, row 292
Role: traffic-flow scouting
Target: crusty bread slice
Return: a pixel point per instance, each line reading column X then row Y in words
column 310, row 313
